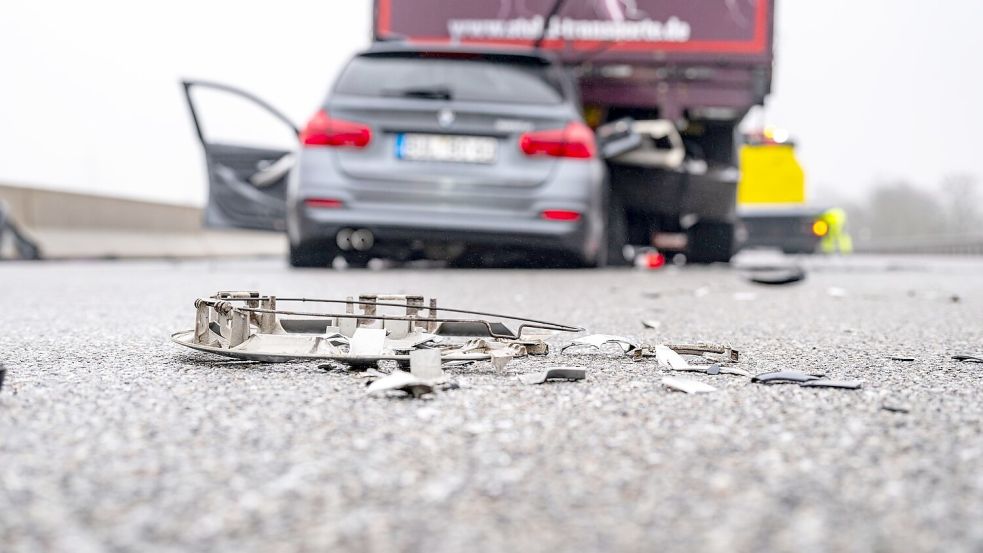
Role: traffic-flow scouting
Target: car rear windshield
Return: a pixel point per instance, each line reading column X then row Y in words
column 475, row 78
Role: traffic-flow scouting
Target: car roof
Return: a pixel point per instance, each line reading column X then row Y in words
column 521, row 54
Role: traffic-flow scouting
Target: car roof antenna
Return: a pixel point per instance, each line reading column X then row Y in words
column 557, row 6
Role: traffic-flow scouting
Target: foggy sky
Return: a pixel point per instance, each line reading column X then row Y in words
column 90, row 101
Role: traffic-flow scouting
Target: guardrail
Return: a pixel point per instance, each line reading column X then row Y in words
column 964, row 244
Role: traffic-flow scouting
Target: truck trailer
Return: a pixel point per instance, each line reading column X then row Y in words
column 664, row 83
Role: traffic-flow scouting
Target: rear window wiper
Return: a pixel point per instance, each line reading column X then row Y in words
column 429, row 92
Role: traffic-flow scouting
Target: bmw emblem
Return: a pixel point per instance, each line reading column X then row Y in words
column 445, row 118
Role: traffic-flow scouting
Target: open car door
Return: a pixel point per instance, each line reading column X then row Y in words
column 247, row 184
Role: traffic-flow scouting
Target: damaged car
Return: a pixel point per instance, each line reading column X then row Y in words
column 443, row 153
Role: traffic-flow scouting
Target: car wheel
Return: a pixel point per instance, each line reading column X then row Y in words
column 710, row 242
column 311, row 254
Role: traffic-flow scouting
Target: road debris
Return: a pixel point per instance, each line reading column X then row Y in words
column 556, row 373
column 425, row 364
column 653, row 324
column 836, row 292
column 687, row 385
column 667, row 357
column 895, row 408
column 248, row 325
column 400, row 381
column 970, row 358
column 3, row 373
column 776, row 276
column 598, row 340
column 783, row 377
column 827, row 383
column 900, row 358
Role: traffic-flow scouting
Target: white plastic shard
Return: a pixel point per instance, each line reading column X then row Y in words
column 425, row 364
column 598, row 340
column 501, row 357
column 367, row 342
column 556, row 373
column 401, row 381
column 670, row 359
column 687, row 385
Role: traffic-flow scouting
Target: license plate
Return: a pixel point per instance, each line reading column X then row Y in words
column 442, row 147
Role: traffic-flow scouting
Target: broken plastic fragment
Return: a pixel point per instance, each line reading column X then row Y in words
column 895, row 408
column 777, row 276
column 425, row 364
column 827, row 383
column 501, row 357
column 687, row 385
column 900, row 358
column 367, row 342
column 598, row 340
column 670, row 359
column 970, row 358
column 783, row 377
column 400, row 381
column 557, row 373
column 653, row 324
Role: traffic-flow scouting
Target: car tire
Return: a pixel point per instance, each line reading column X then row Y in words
column 311, row 254
column 710, row 242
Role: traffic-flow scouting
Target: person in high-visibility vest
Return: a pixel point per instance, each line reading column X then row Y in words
column 831, row 225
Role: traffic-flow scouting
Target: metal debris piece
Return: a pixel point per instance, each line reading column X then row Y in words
column 372, row 328
column 400, row 381
column 971, row 358
column 900, row 358
column 655, row 325
column 776, row 276
column 726, row 353
column 598, row 340
column 425, row 364
column 556, row 373
column 687, row 385
column 827, row 383
column 669, row 358
column 783, row 377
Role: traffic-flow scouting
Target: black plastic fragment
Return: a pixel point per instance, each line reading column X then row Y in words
column 777, row 277
column 901, row 358
column 894, row 408
column 970, row 358
column 827, row 383
column 3, row 372
column 783, row 377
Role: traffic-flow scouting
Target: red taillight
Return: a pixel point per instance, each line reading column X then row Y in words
column 574, row 140
column 324, row 203
column 560, row 215
column 322, row 130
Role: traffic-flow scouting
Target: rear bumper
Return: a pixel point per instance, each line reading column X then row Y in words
column 791, row 233
column 401, row 230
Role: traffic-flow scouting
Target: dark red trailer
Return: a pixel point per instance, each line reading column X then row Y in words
column 699, row 64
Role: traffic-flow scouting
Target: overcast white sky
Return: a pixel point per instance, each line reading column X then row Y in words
column 90, row 101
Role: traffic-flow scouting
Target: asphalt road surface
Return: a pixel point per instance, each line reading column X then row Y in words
column 114, row 439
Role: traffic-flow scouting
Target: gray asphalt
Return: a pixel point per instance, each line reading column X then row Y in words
column 114, row 439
